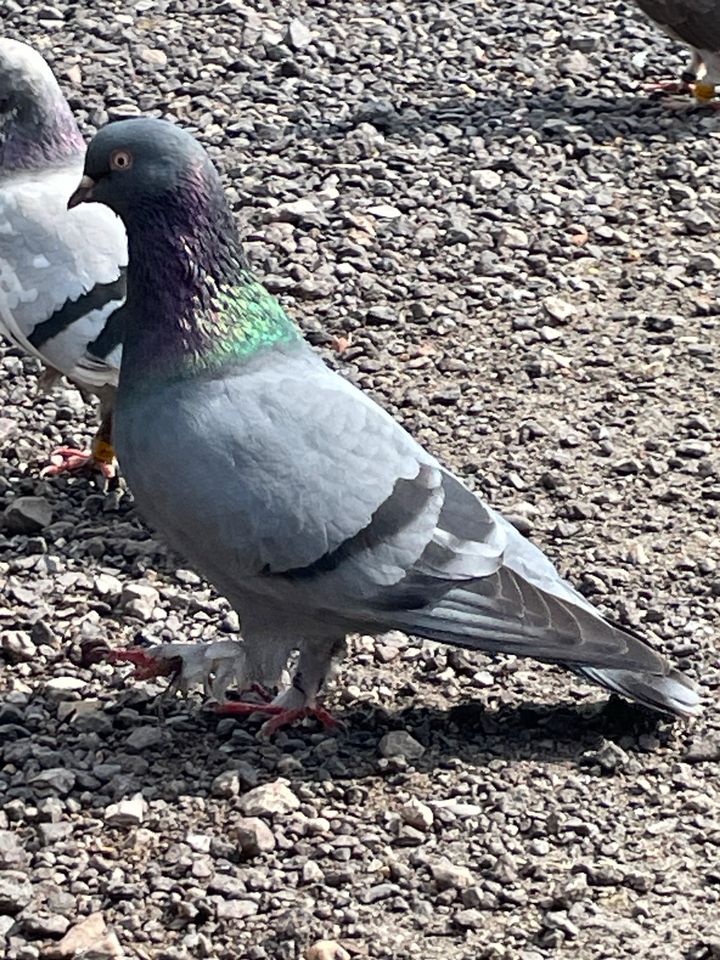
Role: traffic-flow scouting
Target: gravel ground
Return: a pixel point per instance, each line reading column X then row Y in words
column 478, row 215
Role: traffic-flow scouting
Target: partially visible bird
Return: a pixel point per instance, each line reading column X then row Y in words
column 697, row 24
column 309, row 507
column 62, row 273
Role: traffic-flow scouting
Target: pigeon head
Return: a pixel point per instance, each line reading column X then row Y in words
column 37, row 128
column 135, row 165
column 192, row 302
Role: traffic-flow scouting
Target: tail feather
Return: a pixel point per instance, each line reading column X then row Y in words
column 504, row 613
column 671, row 693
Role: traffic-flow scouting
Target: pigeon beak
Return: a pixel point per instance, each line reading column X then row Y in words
column 83, row 194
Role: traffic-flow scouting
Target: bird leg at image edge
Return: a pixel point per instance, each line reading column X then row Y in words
column 100, row 457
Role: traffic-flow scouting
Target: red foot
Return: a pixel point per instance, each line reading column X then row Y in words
column 72, row 460
column 146, row 666
column 281, row 716
column 668, row 86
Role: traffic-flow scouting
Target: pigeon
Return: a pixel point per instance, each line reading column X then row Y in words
column 697, row 24
column 62, row 273
column 295, row 494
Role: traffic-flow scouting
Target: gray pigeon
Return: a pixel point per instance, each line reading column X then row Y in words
column 62, row 273
column 303, row 501
column 697, row 24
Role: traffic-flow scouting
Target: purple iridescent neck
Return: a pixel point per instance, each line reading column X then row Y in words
column 193, row 304
column 183, row 247
column 40, row 134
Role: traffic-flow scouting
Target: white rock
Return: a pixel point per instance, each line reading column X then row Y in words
column 449, row 876
column 417, row 814
column 139, row 600
column 199, row 842
column 15, row 891
column 268, row 800
column 459, row 809
column 326, row 950
column 311, row 872
column 385, row 211
column 557, row 308
column 126, row 813
column 487, row 179
column 59, row 688
column 89, row 936
column 226, row 784
column 106, row 585
column 153, row 56
column 513, row 237
column 236, row 909
column 298, row 36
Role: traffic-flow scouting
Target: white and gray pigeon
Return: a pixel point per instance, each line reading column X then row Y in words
column 62, row 272
column 306, row 504
column 695, row 23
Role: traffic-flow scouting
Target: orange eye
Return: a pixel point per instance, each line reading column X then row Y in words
column 120, row 160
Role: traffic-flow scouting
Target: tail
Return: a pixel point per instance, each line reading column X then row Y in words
column 671, row 693
column 487, row 615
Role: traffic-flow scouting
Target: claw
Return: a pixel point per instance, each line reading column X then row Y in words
column 281, row 717
column 261, row 692
column 287, row 717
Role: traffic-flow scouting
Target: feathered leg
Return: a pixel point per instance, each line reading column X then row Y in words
column 300, row 699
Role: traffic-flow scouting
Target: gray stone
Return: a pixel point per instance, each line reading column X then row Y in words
column 15, row 891
column 144, row 738
column 57, row 780
column 469, row 919
column 39, row 925
column 298, row 36
column 254, row 836
column 399, row 743
column 699, row 223
column 226, row 784
column 17, row 646
column 12, row 851
column 417, row 814
column 28, row 515
column 694, row 449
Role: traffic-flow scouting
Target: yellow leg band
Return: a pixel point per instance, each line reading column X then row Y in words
column 704, row 91
column 103, row 451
